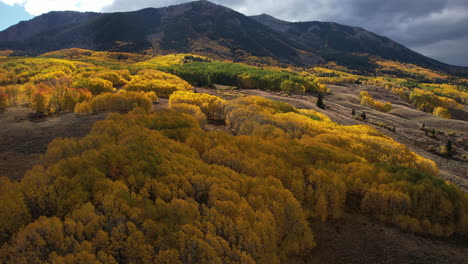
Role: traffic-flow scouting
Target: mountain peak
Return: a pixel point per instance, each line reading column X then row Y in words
column 201, row 7
column 268, row 18
column 201, row 4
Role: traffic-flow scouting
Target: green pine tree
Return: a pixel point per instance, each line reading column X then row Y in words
column 320, row 103
column 363, row 115
column 448, row 146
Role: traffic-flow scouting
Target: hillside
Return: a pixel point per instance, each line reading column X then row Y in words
column 337, row 42
column 205, row 28
column 207, row 161
column 197, row 26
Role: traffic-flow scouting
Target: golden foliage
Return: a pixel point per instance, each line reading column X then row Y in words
column 211, row 106
column 117, row 102
column 163, row 84
column 146, row 188
column 168, row 60
column 401, row 92
column 387, row 66
column 95, row 85
column 428, row 101
column 441, row 112
column 116, row 77
column 95, row 57
column 367, row 100
column 448, row 90
column 190, row 109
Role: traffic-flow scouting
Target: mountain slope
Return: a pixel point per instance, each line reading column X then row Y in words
column 197, row 25
column 50, row 22
column 336, row 42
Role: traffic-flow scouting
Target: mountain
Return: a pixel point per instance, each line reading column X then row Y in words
column 53, row 21
column 209, row 29
column 200, row 26
column 337, row 42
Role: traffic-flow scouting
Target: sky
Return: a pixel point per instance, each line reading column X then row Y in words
column 435, row 28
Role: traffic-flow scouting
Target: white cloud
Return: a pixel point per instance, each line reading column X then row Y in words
column 37, row 7
column 12, row 2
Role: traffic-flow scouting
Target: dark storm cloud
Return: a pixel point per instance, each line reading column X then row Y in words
column 436, row 28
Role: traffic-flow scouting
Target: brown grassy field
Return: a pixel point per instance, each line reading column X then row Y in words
column 355, row 239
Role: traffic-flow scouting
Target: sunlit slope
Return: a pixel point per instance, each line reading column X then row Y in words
column 56, row 82
column 70, row 75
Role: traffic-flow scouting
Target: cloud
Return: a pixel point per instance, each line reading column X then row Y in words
column 435, row 28
column 12, row 2
column 453, row 51
column 38, row 7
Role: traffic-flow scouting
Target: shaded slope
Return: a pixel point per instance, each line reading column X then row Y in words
column 336, row 42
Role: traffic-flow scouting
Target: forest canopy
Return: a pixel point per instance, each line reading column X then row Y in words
column 156, row 187
column 160, row 187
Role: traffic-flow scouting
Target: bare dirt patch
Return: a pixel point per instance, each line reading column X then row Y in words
column 356, row 239
column 162, row 103
column 25, row 136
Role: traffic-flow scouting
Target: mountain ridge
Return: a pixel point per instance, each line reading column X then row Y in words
column 173, row 28
column 205, row 27
column 351, row 39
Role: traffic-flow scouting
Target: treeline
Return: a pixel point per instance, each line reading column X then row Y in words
column 203, row 72
column 329, row 76
column 53, row 85
column 429, row 102
column 457, row 93
column 54, row 96
column 367, row 100
column 117, row 102
column 163, row 84
column 156, row 188
column 211, row 106
column 101, row 72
